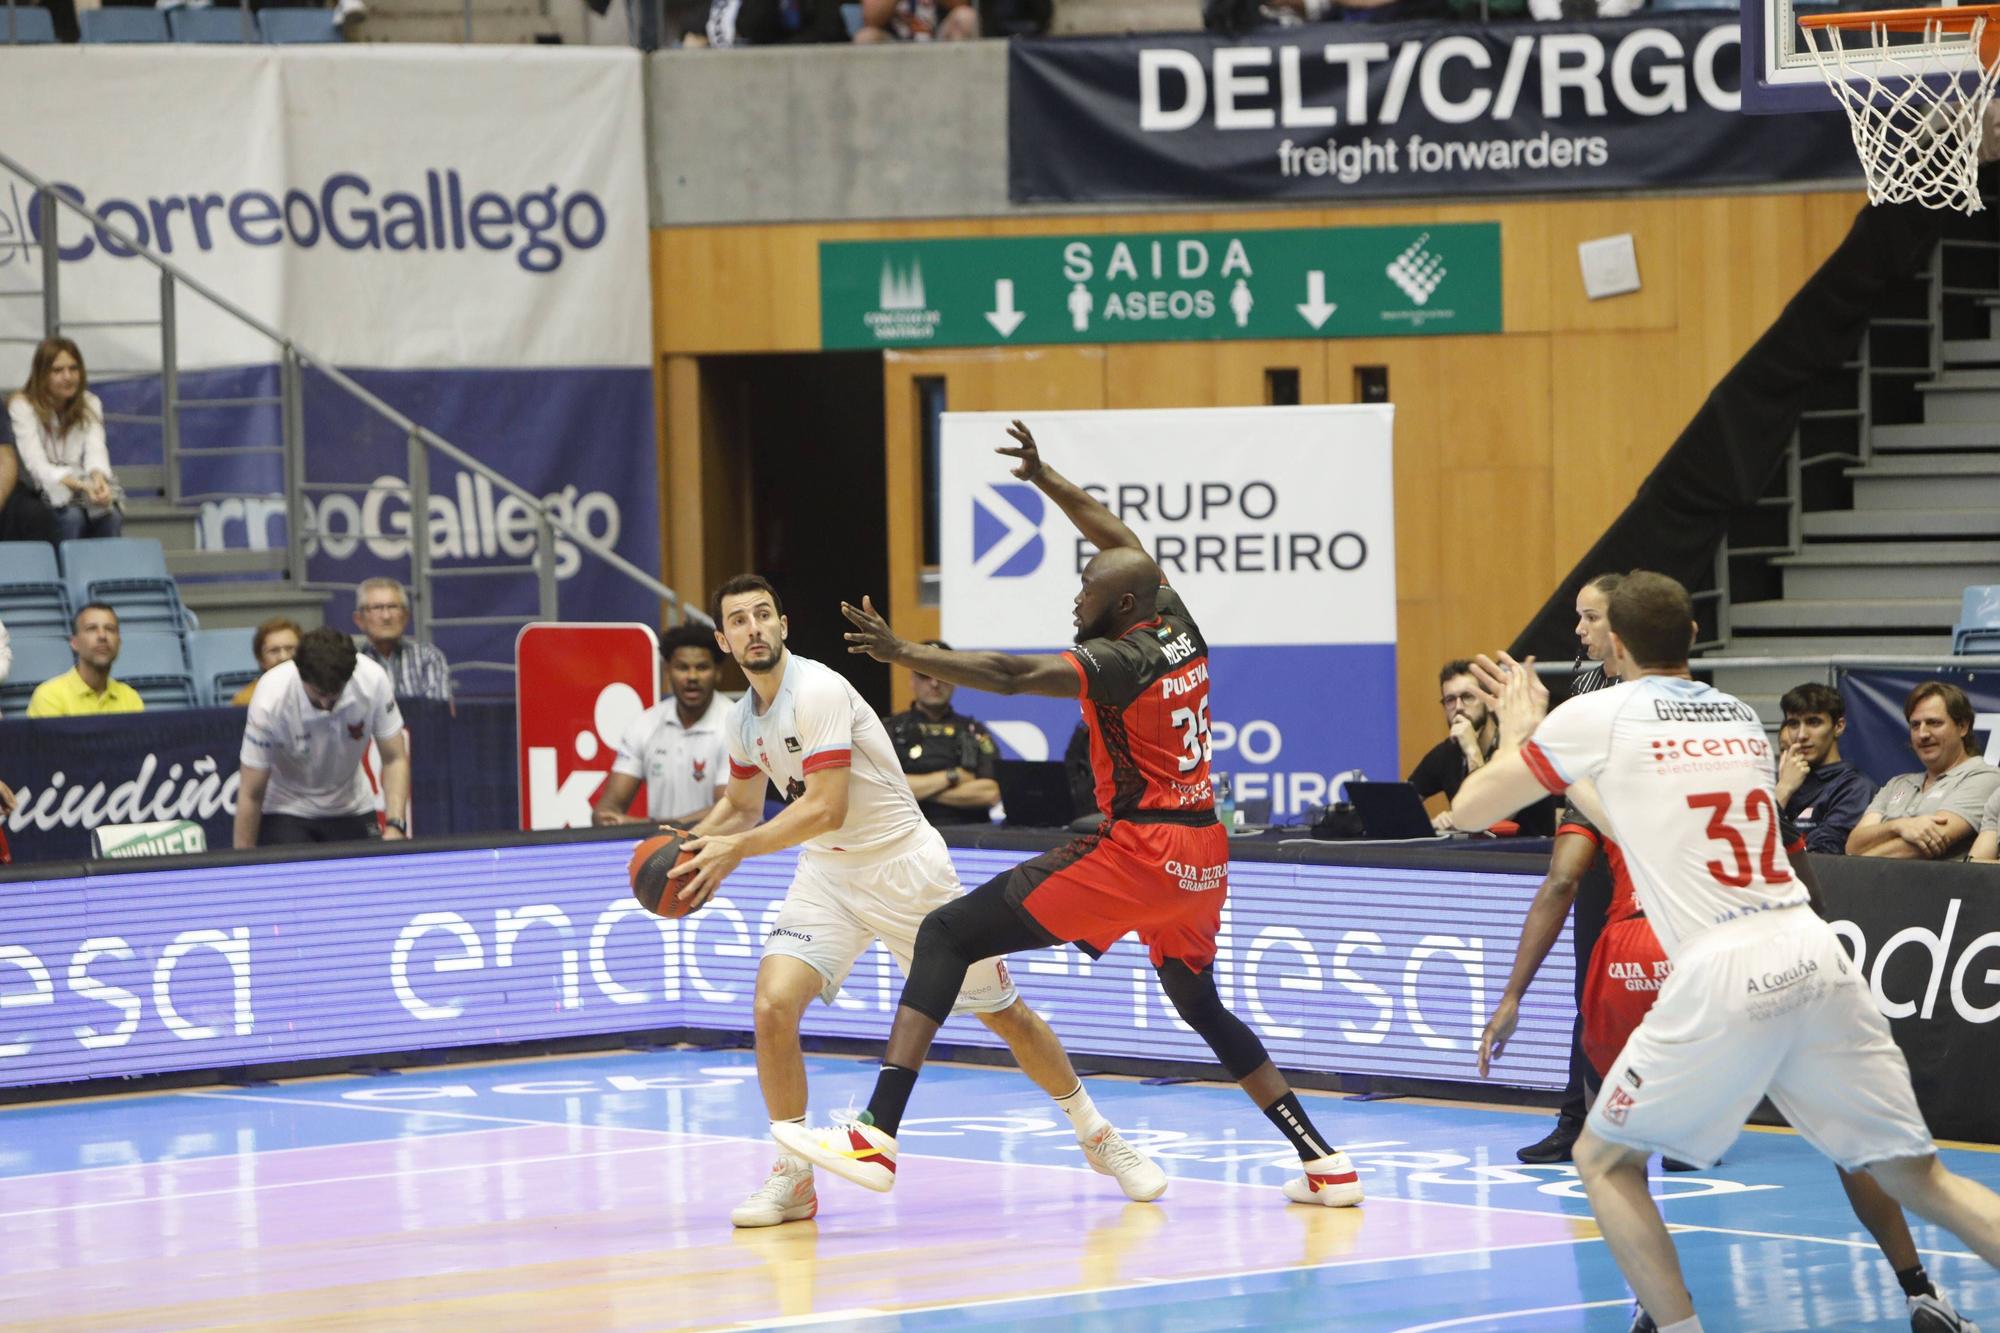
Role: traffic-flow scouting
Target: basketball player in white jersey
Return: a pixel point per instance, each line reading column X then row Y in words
column 871, row 867
column 1762, row 997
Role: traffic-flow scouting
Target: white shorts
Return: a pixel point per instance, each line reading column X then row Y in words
column 1769, row 1003
column 834, row 911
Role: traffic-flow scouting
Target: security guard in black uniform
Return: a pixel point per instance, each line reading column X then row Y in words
column 948, row 757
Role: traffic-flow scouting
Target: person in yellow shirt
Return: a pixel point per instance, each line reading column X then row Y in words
column 87, row 687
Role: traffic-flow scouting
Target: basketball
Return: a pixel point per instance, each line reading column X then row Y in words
column 651, row 860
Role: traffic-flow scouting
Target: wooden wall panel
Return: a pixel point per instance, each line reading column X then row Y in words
column 1513, row 450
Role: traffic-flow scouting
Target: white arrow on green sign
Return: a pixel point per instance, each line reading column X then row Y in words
column 1325, row 282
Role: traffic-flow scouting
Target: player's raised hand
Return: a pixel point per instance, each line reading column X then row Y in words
column 1514, row 692
column 871, row 634
column 1493, row 1041
column 1030, row 456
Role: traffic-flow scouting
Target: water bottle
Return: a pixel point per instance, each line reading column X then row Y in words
column 1225, row 799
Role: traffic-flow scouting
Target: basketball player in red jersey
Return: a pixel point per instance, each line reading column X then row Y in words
column 1158, row 866
column 1622, row 979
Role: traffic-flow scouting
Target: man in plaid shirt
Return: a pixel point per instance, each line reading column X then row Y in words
column 416, row 670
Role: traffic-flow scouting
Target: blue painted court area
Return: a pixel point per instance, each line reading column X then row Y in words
column 593, row 1192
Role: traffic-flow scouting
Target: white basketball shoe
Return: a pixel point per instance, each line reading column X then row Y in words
column 852, row 1149
column 1329, row 1181
column 1110, row 1155
column 786, row 1195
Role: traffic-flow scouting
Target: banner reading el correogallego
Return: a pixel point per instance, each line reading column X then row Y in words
column 1349, row 111
column 1277, row 527
column 463, row 230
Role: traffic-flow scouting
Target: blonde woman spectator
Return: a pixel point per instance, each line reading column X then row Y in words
column 59, row 432
column 276, row 640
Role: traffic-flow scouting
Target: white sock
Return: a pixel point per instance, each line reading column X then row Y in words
column 787, row 1159
column 1083, row 1115
column 1691, row 1324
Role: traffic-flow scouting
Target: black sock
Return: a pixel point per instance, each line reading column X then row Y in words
column 1915, row 1281
column 893, row 1087
column 1297, row 1126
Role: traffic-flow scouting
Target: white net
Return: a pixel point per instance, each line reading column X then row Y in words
column 1918, row 111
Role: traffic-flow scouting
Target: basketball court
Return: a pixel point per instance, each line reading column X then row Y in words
column 593, row 1192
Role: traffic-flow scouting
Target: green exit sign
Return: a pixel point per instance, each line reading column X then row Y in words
column 1321, row 282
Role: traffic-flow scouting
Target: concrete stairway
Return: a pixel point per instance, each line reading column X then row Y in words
column 1883, row 576
column 223, row 588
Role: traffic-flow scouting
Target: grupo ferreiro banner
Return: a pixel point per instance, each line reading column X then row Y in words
column 1275, row 524
column 463, row 229
column 1342, row 111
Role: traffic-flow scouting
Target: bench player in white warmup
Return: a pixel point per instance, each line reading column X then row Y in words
column 871, row 867
column 1762, row 996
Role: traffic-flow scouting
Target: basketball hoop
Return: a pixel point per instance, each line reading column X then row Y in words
column 1918, row 108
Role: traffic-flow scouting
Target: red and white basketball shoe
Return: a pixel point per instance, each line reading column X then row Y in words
column 1329, row 1181
column 851, row 1149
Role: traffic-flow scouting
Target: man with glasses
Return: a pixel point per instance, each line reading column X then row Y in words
column 1474, row 733
column 417, row 670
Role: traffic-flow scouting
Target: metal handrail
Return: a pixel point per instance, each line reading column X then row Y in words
column 1832, row 662
column 293, row 358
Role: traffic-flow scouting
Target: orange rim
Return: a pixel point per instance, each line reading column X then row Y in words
column 1959, row 18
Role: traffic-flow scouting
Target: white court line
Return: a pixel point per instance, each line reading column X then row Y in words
column 400, row 1109
column 1155, row 1284
column 1057, row 1166
column 1497, row 1315
column 348, row 1180
column 231, row 1154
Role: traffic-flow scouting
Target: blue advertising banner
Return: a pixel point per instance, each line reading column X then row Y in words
column 1378, row 110
column 1338, row 968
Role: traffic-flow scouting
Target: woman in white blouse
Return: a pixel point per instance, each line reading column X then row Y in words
column 59, row 431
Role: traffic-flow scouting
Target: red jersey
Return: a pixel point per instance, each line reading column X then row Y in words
column 1145, row 698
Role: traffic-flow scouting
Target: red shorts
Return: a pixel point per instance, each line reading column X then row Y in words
column 1167, row 882
column 1627, row 969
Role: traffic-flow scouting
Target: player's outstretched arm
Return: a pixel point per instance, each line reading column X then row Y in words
column 1099, row 526
column 1567, row 863
column 1002, row 673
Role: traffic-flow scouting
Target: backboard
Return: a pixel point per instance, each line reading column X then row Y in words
column 1780, row 74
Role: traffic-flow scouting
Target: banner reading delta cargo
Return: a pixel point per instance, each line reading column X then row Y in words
column 1277, row 527
column 464, row 230
column 1340, row 111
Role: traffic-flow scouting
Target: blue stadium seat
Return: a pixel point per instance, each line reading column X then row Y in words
column 292, row 27
column 155, row 664
column 33, row 597
column 1978, row 627
column 122, row 25
column 37, row 657
column 212, row 25
column 129, row 573
column 32, row 26
column 223, row 663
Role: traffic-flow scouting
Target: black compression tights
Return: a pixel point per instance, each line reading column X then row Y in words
column 982, row 924
column 1195, row 999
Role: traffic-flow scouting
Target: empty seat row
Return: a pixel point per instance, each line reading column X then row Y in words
column 30, row 25
column 128, row 573
column 203, row 669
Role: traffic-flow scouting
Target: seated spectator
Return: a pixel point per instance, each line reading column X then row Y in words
column 949, row 758
column 1472, row 737
column 59, row 430
column 416, row 670
column 1822, row 794
column 1933, row 814
column 772, row 23
column 679, row 747
column 276, row 640
column 87, row 688
column 23, row 516
column 309, row 726
column 917, row 21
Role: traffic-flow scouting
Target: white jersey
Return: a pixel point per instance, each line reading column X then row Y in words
column 818, row 721
column 682, row 766
column 1684, row 773
column 314, row 757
